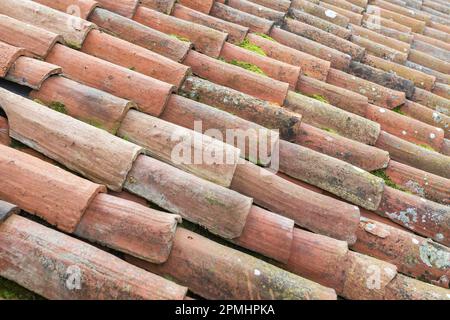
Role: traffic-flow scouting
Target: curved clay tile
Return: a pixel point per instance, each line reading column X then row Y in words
column 150, row 95
column 324, row 115
column 20, row 34
column 87, row 104
column 420, row 79
column 78, row 8
column 386, row 31
column 406, row 128
column 254, row 23
column 73, row 29
column 222, row 211
column 4, row 132
column 29, row 244
column 432, row 101
column 345, row 5
column 404, row 249
column 235, row 77
column 279, row 5
column 380, row 50
column 442, row 90
column 198, row 5
column 56, row 195
column 161, row 139
column 440, row 77
column 273, row 68
column 8, row 55
column 320, row 23
column 205, row 266
column 360, row 3
column 31, row 72
column 244, row 106
column 446, row 147
column 378, row 95
column 320, row 213
column 416, row 14
column 338, row 59
column 310, row 65
column 90, row 151
column 134, row 57
column 354, row 17
column 164, row 6
column 126, row 8
column 141, row 35
column 277, row 230
column 338, row 177
column 6, row 210
column 415, row 25
column 356, row 153
column 206, row 40
column 379, row 38
column 424, row 217
column 414, row 155
column 325, row 38
column 373, row 19
column 427, row 60
column 403, row 287
column 318, row 11
column 257, row 10
column 186, row 112
column 421, row 183
column 432, row 41
column 129, row 227
column 236, row 32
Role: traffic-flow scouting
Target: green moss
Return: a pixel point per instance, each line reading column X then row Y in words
column 58, row 106
column 248, row 66
column 398, row 110
column 17, row 144
column 12, row 291
column 330, row 130
column 381, row 173
column 265, row 36
column 39, row 101
column 425, row 146
column 214, row 201
column 132, row 68
column 181, row 38
column 73, row 45
column 96, row 124
column 319, row 97
column 246, row 44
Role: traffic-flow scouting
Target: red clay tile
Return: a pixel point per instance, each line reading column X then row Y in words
column 377, row 94
column 384, row 27
column 244, row 106
column 361, row 3
column 7, row 209
column 129, row 228
column 379, row 38
column 375, row 18
column 198, row 5
column 424, row 217
column 338, row 59
column 236, row 32
column 19, row 34
column 358, row 154
column 442, row 90
column 320, row 23
column 206, row 40
column 380, row 50
column 31, row 72
column 267, row 233
column 257, row 10
column 415, row 25
column 354, row 17
column 8, row 55
column 325, row 38
column 336, row 96
column 254, row 23
column 205, row 266
column 429, row 61
column 30, row 246
column 164, row 6
column 409, row 252
column 419, row 15
column 185, row 112
column 345, row 5
column 320, row 12
column 79, row 146
column 273, row 68
column 279, row 5
column 222, row 211
column 319, row 213
column 151, row 95
column 340, row 178
column 432, row 50
column 126, row 8
column 73, row 29
column 161, row 139
column 4, row 132
column 413, row 155
column 437, row 26
column 432, row 101
column 406, row 128
column 446, row 147
column 237, row 78
column 78, row 8
column 326, row 116
column 421, row 183
column 310, row 65
column 87, row 104
column 141, row 35
column 403, row 287
column 129, row 196
column 134, row 57
column 56, row 195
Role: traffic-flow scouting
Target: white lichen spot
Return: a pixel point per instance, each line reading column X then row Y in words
column 390, row 272
column 415, row 241
column 432, row 136
column 437, row 117
column 434, row 255
column 406, row 217
column 257, row 272
column 382, row 110
column 370, row 227
column 404, row 133
column 439, row 237
column 330, row 14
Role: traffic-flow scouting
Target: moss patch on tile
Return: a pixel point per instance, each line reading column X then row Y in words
column 425, row 146
column 16, row 144
column 265, row 36
column 381, row 173
column 12, row 291
column 330, row 130
column 398, row 110
column 181, row 38
column 319, row 97
column 58, row 106
column 246, row 44
column 247, row 66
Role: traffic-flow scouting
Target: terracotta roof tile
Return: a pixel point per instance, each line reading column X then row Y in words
column 4, row 132
column 321, row 12
column 9, row 55
column 204, row 6
column 257, row 10
column 79, row 8
column 126, row 8
column 164, row 6
column 279, row 5
column 354, row 17
column 6, row 210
